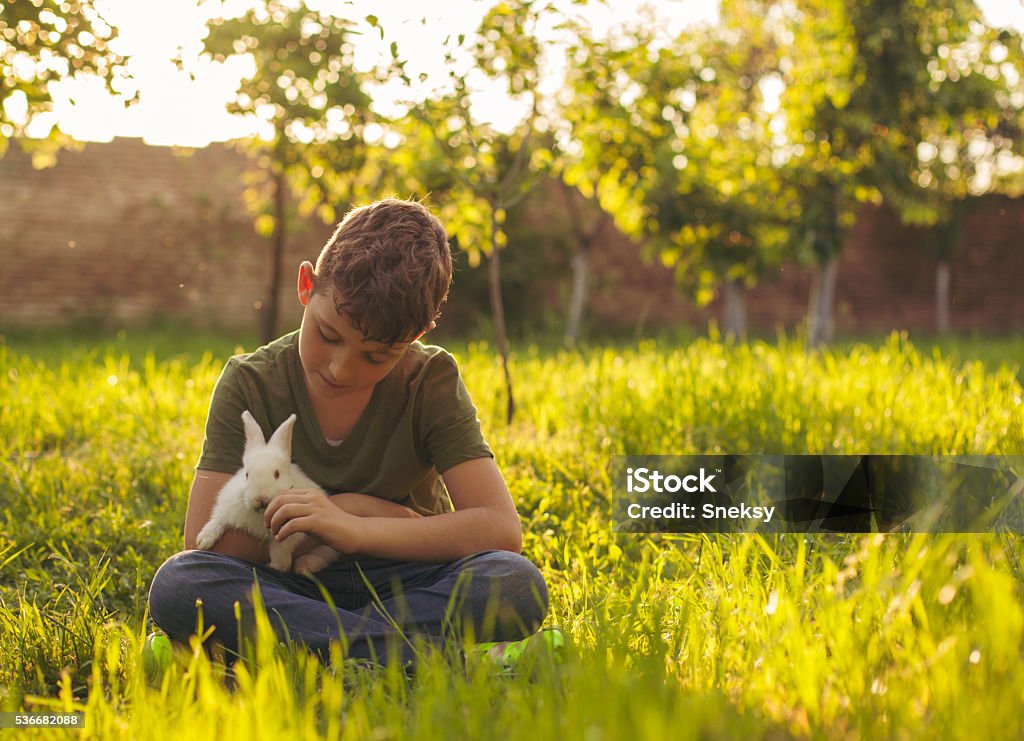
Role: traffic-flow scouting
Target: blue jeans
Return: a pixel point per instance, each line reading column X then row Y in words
column 498, row 595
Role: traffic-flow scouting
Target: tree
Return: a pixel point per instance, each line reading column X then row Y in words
column 43, row 41
column 866, row 87
column 600, row 153
column 608, row 149
column 486, row 171
column 733, row 199
column 971, row 129
column 675, row 143
column 830, row 139
column 310, row 97
column 584, row 235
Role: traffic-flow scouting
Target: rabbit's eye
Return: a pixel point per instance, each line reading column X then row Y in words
column 277, row 474
column 247, row 474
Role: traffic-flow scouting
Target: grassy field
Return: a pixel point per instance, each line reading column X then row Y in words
column 904, row 636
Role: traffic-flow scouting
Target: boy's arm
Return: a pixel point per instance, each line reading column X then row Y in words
column 485, row 518
column 203, row 495
column 365, row 505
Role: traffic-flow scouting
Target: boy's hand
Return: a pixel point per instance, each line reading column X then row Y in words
column 311, row 511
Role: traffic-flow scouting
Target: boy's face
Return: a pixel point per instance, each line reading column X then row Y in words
column 335, row 360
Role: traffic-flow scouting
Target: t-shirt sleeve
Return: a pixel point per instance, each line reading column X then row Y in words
column 224, row 442
column 450, row 428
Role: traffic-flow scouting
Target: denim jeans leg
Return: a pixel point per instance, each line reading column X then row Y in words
column 293, row 604
column 378, row 604
column 489, row 596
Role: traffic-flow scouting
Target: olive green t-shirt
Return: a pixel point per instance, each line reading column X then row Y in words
column 419, row 421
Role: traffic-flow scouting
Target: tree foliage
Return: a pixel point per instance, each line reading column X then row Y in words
column 901, row 101
column 44, row 41
column 732, row 200
column 675, row 142
column 971, row 123
column 479, row 169
column 869, row 87
column 482, row 168
column 306, row 91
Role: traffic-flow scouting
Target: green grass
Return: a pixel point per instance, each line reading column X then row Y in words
column 684, row 637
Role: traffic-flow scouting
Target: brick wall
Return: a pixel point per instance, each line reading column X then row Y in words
column 886, row 279
column 122, row 233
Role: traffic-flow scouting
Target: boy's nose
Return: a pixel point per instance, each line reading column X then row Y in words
column 339, row 371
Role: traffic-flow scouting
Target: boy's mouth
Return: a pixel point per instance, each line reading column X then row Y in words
column 331, row 384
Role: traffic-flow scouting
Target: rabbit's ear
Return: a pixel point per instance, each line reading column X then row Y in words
column 282, row 437
column 253, row 432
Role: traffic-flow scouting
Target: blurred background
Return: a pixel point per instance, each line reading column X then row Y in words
column 604, row 168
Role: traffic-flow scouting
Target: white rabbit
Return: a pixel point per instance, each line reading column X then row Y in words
column 267, row 470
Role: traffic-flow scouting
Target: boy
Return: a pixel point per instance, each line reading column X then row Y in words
column 387, row 428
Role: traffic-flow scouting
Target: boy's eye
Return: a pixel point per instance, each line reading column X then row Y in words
column 328, row 340
column 337, row 341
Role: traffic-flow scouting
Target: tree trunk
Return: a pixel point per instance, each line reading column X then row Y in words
column 822, row 297
column 578, row 299
column 271, row 308
column 942, row 281
column 498, row 312
column 734, row 309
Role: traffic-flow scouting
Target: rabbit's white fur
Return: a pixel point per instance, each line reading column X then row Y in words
column 267, row 470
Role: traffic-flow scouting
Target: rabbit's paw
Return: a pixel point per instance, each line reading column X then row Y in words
column 280, row 557
column 207, row 537
column 313, row 561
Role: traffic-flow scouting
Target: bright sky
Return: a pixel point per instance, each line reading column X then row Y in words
column 176, row 107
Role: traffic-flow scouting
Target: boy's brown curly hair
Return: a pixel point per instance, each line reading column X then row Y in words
column 389, row 266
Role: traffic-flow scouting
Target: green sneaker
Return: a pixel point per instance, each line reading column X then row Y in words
column 157, row 655
column 159, row 651
column 510, row 658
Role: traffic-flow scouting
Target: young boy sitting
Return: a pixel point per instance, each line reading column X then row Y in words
column 428, row 533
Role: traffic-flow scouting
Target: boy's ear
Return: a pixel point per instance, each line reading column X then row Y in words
column 306, row 277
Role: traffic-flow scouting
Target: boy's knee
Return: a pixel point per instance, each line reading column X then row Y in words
column 518, row 583
column 176, row 586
